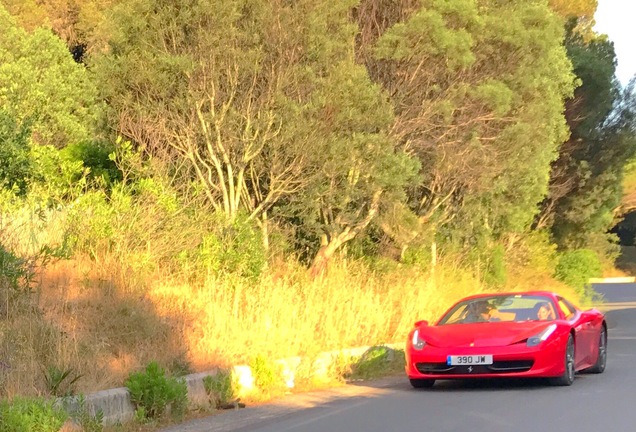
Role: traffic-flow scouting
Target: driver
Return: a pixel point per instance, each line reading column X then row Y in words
column 478, row 311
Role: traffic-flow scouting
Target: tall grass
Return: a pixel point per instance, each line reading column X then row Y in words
column 229, row 320
column 85, row 323
column 115, row 307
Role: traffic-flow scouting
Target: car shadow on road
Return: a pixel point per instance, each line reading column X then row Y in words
column 494, row 384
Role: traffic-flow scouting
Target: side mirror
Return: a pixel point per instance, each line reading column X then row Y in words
column 421, row 323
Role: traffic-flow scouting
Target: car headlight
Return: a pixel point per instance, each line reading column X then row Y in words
column 544, row 335
column 417, row 342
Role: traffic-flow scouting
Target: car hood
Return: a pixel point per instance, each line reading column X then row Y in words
column 481, row 334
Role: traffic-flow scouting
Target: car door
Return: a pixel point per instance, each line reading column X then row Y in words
column 591, row 325
column 582, row 331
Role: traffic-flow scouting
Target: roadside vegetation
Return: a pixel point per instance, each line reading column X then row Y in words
column 193, row 187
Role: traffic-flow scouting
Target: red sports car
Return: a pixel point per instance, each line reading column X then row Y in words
column 529, row 334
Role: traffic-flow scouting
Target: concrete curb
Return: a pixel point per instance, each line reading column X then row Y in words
column 620, row 279
column 116, row 407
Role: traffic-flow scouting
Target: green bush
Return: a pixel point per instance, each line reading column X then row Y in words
column 220, row 388
column 539, row 252
column 237, row 248
column 153, row 393
column 377, row 361
column 60, row 381
column 576, row 267
column 13, row 270
column 15, row 165
column 30, row 415
column 495, row 273
column 81, row 415
column 96, row 157
column 418, row 256
column 267, row 376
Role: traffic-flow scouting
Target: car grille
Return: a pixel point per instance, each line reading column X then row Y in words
column 498, row 367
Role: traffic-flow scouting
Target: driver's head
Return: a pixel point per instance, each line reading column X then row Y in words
column 481, row 307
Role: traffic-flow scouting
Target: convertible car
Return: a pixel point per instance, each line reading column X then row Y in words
column 529, row 334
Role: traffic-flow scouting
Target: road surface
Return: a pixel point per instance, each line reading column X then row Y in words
column 605, row 402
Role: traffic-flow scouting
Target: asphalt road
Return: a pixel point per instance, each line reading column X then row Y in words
column 605, row 402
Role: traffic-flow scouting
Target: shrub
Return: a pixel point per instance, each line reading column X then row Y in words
column 60, row 382
column 576, row 267
column 237, row 248
column 15, row 165
column 30, row 415
column 81, row 415
column 495, row 273
column 96, row 157
column 376, row 362
column 220, row 388
column 13, row 270
column 267, row 376
column 153, row 393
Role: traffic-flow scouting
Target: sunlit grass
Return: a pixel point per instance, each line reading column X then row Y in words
column 109, row 314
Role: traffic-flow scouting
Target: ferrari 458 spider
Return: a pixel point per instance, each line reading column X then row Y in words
column 530, row 334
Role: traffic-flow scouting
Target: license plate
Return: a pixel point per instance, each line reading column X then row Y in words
column 462, row 360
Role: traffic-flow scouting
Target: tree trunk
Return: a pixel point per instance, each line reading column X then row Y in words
column 330, row 246
column 433, row 256
column 321, row 260
column 264, row 223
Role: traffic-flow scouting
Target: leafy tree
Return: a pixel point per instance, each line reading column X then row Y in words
column 73, row 21
column 478, row 88
column 259, row 114
column 574, row 8
column 42, row 86
column 628, row 201
column 210, row 86
column 585, row 184
column 15, row 165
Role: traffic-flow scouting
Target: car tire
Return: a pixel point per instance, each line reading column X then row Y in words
column 568, row 374
column 422, row 383
column 601, row 360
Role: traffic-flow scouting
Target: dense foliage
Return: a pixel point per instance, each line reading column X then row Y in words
column 206, row 143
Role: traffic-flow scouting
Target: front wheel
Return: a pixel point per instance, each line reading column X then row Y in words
column 568, row 374
column 422, row 383
column 601, row 360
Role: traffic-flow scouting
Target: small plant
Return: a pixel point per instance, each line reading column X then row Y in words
column 153, row 393
column 576, row 267
column 376, row 362
column 264, row 371
column 14, row 271
column 180, row 367
column 220, row 388
column 83, row 418
column 60, row 382
column 31, row 415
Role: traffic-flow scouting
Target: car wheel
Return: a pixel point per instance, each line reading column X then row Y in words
column 568, row 375
column 422, row 383
column 601, row 360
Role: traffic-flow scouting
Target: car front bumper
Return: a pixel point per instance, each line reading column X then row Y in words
column 518, row 360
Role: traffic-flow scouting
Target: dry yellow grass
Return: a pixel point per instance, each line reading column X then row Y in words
column 106, row 316
column 91, row 320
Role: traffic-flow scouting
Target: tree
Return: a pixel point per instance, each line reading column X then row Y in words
column 15, row 164
column 213, row 86
column 261, row 115
column 478, row 88
column 42, row 86
column 73, row 21
column 579, row 14
column 585, row 181
column 361, row 171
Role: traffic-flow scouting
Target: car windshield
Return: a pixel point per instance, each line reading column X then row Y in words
column 501, row 308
